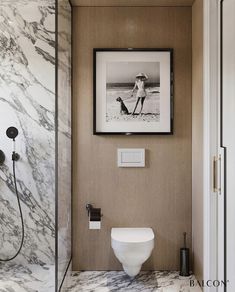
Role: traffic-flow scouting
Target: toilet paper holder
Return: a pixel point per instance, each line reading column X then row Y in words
column 94, row 213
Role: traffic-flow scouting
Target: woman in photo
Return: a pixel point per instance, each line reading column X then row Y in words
column 141, row 92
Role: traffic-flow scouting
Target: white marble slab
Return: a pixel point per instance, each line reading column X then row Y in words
column 34, row 278
column 26, row 2
column 27, row 278
column 27, row 101
column 162, row 281
column 64, row 137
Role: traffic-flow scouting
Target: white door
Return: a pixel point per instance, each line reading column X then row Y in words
column 228, row 135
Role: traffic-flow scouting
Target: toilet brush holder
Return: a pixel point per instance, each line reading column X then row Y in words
column 184, row 259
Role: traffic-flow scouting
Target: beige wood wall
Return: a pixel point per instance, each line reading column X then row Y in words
column 158, row 196
column 197, row 137
column 132, row 2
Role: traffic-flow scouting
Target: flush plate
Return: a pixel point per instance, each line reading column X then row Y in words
column 131, row 157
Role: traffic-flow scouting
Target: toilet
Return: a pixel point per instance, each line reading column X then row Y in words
column 132, row 247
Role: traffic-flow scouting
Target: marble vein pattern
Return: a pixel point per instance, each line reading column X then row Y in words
column 162, row 281
column 27, row 101
column 64, row 137
column 26, row 2
column 26, row 278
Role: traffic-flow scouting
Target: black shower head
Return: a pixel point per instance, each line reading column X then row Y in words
column 12, row 133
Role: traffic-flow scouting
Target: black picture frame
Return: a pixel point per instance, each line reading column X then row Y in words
column 171, row 109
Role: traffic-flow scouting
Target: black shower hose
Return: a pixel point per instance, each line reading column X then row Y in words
column 21, row 217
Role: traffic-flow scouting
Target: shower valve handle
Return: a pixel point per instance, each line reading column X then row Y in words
column 15, row 156
column 2, row 157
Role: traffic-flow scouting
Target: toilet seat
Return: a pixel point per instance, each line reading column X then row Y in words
column 132, row 235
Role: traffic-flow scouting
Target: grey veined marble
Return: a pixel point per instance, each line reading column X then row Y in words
column 26, row 2
column 162, row 281
column 27, row 101
column 64, row 138
column 33, row 278
column 26, row 278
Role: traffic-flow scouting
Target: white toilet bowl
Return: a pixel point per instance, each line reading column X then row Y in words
column 132, row 247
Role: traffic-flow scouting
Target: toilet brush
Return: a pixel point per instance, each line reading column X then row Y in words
column 184, row 259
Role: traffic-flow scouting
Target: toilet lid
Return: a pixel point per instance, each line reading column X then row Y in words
column 132, row 234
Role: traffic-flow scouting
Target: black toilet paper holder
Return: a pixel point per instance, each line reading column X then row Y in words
column 94, row 213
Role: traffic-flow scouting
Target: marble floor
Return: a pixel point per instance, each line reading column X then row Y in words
column 34, row 278
column 28, row 278
column 162, row 281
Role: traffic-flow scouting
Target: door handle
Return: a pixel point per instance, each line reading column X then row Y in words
column 217, row 174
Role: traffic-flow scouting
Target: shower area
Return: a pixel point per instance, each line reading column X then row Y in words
column 35, row 98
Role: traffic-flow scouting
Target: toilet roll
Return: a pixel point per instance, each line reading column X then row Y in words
column 94, row 224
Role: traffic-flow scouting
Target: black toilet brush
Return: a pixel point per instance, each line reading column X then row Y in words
column 184, row 259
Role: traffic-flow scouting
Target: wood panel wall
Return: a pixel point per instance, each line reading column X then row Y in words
column 158, row 196
column 132, row 2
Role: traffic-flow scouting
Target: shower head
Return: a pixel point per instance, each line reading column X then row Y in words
column 12, row 133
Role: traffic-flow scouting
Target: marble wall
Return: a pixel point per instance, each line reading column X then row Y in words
column 27, row 101
column 35, row 97
column 64, row 137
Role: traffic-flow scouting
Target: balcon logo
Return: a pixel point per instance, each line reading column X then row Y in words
column 209, row 283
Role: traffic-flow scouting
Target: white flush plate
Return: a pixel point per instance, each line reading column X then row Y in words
column 131, row 157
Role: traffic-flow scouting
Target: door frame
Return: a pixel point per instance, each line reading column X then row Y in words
column 213, row 260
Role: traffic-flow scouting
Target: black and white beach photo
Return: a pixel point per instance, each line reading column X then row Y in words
column 133, row 91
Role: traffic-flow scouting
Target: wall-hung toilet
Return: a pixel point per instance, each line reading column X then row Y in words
column 132, row 247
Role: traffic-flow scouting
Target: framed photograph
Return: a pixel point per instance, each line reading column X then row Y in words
column 133, row 91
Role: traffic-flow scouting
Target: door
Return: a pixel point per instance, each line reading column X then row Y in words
column 228, row 136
